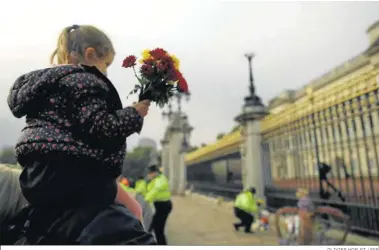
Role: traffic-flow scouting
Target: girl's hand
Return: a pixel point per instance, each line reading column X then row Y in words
column 142, row 107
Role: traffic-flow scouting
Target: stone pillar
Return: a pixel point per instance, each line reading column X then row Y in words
column 173, row 163
column 165, row 157
column 182, row 174
column 173, row 152
column 253, row 168
column 175, row 146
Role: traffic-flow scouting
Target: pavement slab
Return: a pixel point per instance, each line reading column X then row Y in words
column 196, row 221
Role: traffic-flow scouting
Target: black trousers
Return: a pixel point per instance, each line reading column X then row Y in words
column 246, row 219
column 162, row 210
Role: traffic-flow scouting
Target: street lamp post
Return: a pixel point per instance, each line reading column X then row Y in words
column 253, row 107
column 186, row 129
column 168, row 113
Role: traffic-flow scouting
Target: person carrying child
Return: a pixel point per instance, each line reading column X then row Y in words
column 75, row 136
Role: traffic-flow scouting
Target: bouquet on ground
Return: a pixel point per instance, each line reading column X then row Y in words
column 159, row 76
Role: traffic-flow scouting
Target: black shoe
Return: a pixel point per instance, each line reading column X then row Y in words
column 248, row 232
column 236, row 227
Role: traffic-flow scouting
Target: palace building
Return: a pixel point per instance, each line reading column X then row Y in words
column 333, row 119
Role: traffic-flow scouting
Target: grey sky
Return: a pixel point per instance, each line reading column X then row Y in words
column 294, row 42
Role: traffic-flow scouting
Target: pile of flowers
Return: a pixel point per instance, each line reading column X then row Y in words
column 159, row 76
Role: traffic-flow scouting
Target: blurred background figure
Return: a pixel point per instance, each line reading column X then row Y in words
column 245, row 206
column 141, row 186
column 126, row 185
column 11, row 198
column 158, row 193
column 147, row 208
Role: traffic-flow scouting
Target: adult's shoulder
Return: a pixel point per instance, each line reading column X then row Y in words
column 115, row 225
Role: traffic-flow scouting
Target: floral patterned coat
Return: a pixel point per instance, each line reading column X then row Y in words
column 75, row 110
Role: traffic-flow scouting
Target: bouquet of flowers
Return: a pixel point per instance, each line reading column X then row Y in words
column 159, row 77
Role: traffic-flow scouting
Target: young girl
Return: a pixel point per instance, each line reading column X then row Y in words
column 73, row 145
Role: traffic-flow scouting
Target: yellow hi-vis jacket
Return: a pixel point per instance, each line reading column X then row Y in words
column 246, row 202
column 141, row 187
column 127, row 189
column 158, row 189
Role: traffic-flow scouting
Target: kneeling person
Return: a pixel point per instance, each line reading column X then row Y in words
column 245, row 206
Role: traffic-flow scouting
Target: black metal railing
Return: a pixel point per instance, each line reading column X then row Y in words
column 333, row 152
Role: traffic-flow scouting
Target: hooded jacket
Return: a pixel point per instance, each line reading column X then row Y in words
column 75, row 110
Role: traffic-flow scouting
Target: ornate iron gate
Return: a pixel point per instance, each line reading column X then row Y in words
column 331, row 149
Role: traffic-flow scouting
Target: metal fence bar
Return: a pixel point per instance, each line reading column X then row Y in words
column 344, row 137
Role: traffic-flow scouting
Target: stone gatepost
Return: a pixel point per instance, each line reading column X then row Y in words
column 252, row 160
column 173, row 152
column 165, row 156
column 251, row 155
column 182, row 168
column 175, row 142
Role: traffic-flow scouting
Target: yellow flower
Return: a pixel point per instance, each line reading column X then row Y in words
column 145, row 55
column 176, row 62
column 172, row 82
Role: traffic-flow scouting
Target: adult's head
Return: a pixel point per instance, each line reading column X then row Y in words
column 84, row 44
column 252, row 190
column 152, row 171
column 11, row 198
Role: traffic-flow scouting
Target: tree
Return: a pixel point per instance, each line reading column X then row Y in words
column 137, row 162
column 8, row 156
column 192, row 149
column 235, row 128
column 220, row 135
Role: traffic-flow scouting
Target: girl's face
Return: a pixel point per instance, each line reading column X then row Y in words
column 102, row 64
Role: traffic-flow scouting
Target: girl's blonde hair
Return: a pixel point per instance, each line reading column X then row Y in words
column 74, row 40
column 11, row 198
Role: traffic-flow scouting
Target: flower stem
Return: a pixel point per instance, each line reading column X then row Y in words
column 135, row 74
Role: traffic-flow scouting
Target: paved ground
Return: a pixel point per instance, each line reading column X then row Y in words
column 198, row 221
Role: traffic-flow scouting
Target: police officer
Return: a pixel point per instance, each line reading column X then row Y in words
column 158, row 193
column 141, row 186
column 245, row 206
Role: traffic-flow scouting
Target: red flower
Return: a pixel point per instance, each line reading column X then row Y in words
column 147, row 70
column 182, row 84
column 129, row 61
column 158, row 53
column 162, row 65
column 166, row 65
